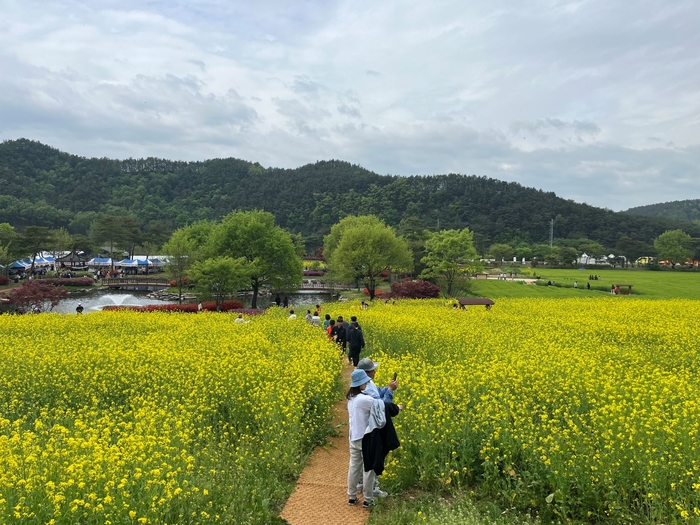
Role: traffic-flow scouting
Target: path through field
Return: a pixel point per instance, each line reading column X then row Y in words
column 320, row 496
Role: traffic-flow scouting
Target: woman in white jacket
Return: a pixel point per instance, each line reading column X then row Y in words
column 359, row 407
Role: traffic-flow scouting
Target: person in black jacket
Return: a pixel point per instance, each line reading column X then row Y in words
column 341, row 335
column 356, row 341
column 377, row 444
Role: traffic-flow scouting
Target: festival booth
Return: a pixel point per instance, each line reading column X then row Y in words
column 136, row 266
column 100, row 262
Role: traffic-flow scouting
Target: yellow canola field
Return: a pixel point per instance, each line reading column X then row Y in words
column 122, row 417
column 584, row 409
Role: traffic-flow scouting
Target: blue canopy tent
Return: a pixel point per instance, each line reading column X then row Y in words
column 100, row 261
column 20, row 265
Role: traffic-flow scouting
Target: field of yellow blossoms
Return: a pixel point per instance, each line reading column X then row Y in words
column 123, row 417
column 579, row 409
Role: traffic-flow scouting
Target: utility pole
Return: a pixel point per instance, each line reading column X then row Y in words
column 551, row 232
column 438, row 226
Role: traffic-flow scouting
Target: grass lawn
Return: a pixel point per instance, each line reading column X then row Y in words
column 665, row 284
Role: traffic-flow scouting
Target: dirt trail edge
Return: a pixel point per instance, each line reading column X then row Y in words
column 320, row 496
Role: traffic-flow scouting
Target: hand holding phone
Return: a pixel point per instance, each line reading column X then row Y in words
column 394, row 378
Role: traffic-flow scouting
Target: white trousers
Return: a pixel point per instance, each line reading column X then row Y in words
column 356, row 473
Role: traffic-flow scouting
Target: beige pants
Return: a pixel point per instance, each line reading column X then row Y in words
column 356, row 473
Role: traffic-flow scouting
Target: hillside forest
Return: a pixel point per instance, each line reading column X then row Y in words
column 42, row 186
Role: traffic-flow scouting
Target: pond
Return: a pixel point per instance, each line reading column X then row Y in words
column 95, row 300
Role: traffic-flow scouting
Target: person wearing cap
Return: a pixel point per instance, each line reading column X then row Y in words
column 385, row 393
column 359, row 407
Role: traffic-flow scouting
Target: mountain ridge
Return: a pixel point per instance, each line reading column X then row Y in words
column 42, row 185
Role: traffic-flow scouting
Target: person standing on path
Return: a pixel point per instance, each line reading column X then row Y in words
column 327, row 322
column 359, row 407
column 285, row 303
column 385, row 394
column 278, row 301
column 356, row 341
column 341, row 335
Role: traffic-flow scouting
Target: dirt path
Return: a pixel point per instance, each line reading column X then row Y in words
column 320, row 496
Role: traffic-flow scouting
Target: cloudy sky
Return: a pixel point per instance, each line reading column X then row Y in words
column 598, row 101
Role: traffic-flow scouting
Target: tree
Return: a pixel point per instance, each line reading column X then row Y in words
column 35, row 239
column 501, row 252
column 220, row 276
column 592, row 249
column 37, row 296
column 366, row 248
column 181, row 250
column 633, row 249
column 449, row 255
column 268, row 250
column 674, row 246
column 8, row 244
column 567, row 255
column 108, row 229
column 61, row 241
column 332, row 240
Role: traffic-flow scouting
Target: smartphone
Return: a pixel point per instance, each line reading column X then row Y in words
column 394, row 378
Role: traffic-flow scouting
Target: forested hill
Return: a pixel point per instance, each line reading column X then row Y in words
column 40, row 185
column 687, row 210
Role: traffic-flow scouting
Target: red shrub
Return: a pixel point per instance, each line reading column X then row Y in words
column 415, row 289
column 4, row 280
column 377, row 292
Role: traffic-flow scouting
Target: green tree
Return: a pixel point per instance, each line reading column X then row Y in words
column 61, row 241
column 34, row 240
column 332, row 240
column 181, row 250
column 674, row 246
column 501, row 252
column 108, row 229
column 220, row 276
column 8, row 244
column 449, row 255
column 366, row 248
column 633, row 249
column 268, row 250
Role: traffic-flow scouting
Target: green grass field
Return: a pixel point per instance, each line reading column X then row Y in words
column 646, row 284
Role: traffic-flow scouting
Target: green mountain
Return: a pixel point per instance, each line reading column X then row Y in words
column 40, row 185
column 687, row 210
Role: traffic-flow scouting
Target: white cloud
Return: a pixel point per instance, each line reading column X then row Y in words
column 571, row 97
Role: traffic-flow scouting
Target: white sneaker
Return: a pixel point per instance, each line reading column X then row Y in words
column 379, row 493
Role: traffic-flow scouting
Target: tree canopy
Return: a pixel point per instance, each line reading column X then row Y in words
column 674, row 246
column 365, row 248
column 267, row 249
column 450, row 254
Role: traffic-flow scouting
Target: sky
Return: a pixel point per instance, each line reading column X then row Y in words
column 597, row 101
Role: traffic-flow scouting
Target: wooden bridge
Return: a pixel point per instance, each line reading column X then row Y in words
column 133, row 283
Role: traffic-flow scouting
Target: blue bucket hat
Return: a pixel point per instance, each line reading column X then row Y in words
column 359, row 377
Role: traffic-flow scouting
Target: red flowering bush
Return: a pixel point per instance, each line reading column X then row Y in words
column 418, row 289
column 377, row 292
column 185, row 282
column 4, row 280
